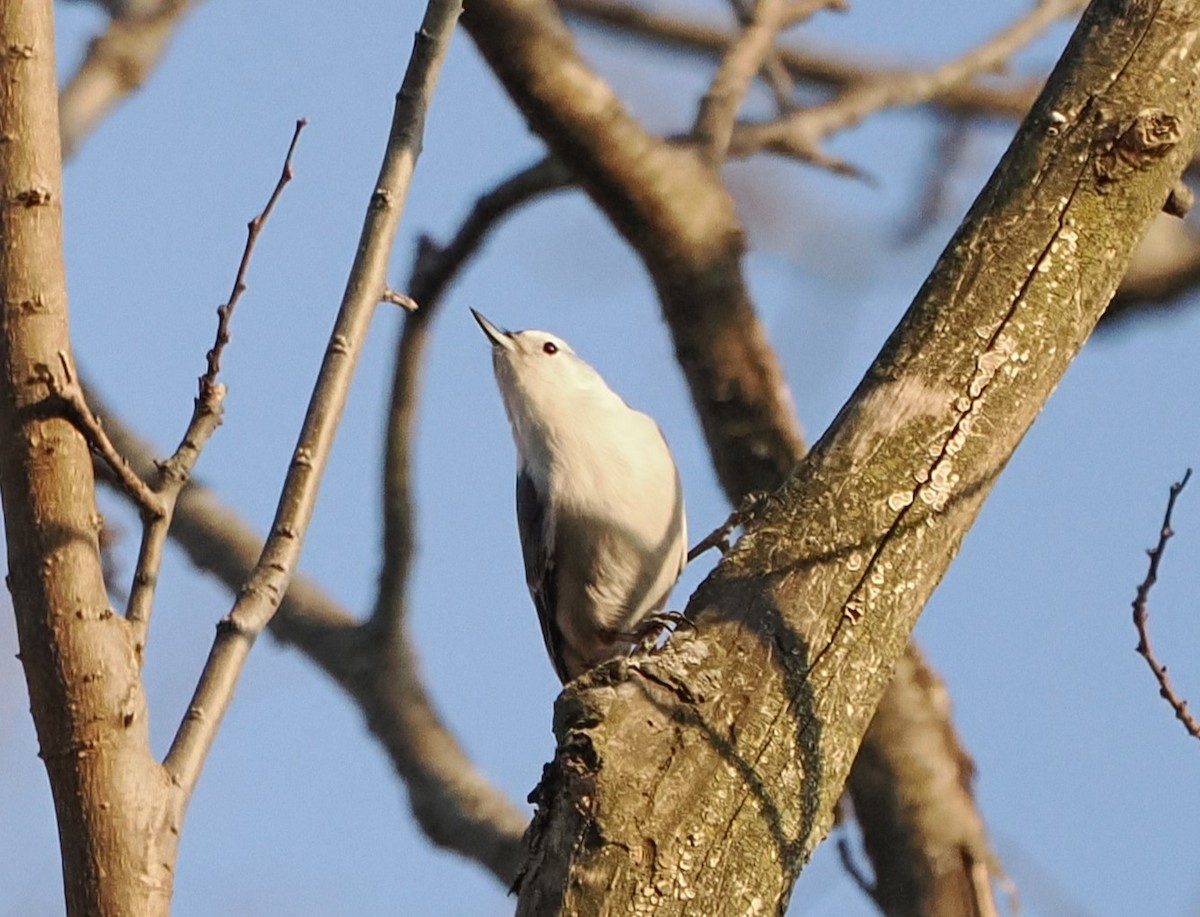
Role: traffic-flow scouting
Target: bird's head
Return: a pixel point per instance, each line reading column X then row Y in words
column 537, row 365
column 542, row 381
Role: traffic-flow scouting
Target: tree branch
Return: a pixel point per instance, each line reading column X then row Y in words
column 926, row 869
column 1141, row 616
column 173, row 474
column 80, row 664
column 745, row 56
column 800, row 133
column 833, row 72
column 365, row 286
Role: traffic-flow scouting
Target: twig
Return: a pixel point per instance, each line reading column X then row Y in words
column 800, row 133
column 253, row 230
column 1141, row 614
column 68, row 391
column 173, row 474
column 403, row 300
column 713, row 127
column 750, row 507
column 267, row 584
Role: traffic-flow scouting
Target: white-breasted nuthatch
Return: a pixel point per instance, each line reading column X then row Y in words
column 599, row 503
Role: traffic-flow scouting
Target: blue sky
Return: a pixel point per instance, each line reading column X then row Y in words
column 1085, row 779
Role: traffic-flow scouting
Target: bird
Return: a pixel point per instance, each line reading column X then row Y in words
column 599, row 500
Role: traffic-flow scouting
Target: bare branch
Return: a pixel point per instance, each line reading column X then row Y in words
column 253, row 229
column 116, row 64
column 454, row 803
column 800, row 133
column 364, row 289
column 1141, row 615
column 833, row 72
column 173, row 474
column 69, row 391
column 86, row 697
column 713, row 127
column 913, row 795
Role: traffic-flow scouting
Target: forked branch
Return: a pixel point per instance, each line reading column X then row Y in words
column 174, row 473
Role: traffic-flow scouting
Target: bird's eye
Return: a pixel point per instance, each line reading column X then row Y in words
column 550, row 347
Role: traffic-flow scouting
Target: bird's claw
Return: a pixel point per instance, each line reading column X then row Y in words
column 652, row 627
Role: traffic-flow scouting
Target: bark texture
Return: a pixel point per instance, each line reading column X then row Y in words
column 79, row 658
column 701, row 777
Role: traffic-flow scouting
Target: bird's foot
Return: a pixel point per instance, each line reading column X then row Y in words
column 651, row 628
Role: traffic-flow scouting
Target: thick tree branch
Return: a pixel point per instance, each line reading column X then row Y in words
column 746, row 730
column 79, row 658
column 927, row 869
column 264, row 590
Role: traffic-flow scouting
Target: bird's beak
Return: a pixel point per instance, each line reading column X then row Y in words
column 498, row 336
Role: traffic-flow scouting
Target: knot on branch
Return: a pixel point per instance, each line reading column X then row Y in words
column 1148, row 139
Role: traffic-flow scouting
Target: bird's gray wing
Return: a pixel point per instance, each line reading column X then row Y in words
column 538, row 551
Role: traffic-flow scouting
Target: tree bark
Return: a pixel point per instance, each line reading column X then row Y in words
column 704, row 775
column 80, row 661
